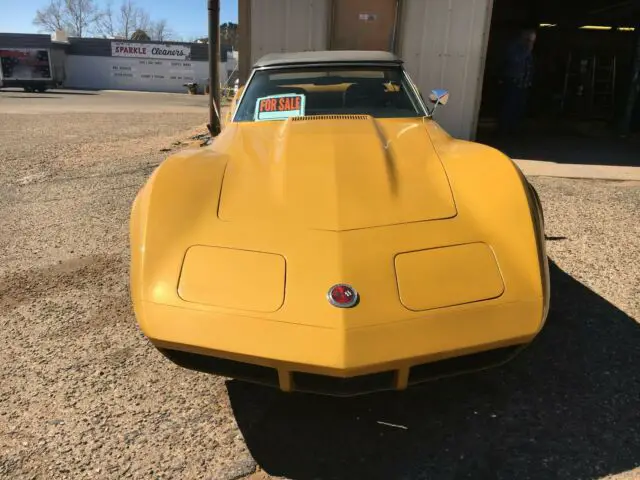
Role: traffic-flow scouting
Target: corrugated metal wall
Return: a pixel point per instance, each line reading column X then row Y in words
column 288, row 26
column 443, row 43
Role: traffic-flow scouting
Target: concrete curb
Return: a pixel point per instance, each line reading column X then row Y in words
column 534, row 168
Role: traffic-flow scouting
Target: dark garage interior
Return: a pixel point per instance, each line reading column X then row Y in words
column 586, row 55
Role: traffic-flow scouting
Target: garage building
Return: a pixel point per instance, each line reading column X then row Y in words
column 585, row 49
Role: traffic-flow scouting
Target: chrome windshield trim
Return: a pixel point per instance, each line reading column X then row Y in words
column 416, row 93
column 244, row 91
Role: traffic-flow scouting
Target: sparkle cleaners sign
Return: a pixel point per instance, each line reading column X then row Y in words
column 150, row 50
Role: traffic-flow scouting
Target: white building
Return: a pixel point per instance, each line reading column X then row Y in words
column 443, row 42
column 112, row 64
column 448, row 43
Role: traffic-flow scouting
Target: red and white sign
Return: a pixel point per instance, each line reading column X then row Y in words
column 150, row 50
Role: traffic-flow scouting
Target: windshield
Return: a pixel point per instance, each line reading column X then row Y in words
column 278, row 94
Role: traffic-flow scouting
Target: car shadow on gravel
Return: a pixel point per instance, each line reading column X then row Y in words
column 567, row 407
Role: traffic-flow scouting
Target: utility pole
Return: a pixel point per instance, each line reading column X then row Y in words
column 214, row 125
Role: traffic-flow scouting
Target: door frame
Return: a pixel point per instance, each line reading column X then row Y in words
column 332, row 17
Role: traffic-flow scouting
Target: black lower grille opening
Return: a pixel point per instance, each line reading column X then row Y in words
column 466, row 363
column 312, row 383
column 223, row 367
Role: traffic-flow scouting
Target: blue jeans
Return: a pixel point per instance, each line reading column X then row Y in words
column 514, row 106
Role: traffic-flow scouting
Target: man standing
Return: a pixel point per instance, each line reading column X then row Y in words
column 517, row 80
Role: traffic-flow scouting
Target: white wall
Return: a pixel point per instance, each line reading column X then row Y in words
column 288, row 26
column 119, row 73
column 443, row 43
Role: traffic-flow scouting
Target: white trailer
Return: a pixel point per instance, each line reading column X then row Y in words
column 28, row 68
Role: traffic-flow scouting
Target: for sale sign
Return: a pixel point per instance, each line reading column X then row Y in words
column 279, row 107
column 150, row 50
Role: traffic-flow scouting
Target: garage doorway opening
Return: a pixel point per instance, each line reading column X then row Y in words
column 583, row 59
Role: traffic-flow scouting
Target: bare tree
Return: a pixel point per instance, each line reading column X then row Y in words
column 106, row 25
column 83, row 15
column 51, row 18
column 125, row 21
column 141, row 20
column 160, row 31
column 126, row 18
column 77, row 17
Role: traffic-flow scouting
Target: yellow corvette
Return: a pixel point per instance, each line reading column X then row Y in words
column 334, row 239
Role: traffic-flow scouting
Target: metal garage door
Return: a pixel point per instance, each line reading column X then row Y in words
column 364, row 25
column 284, row 26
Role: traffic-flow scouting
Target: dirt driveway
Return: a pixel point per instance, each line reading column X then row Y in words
column 77, row 101
column 84, row 395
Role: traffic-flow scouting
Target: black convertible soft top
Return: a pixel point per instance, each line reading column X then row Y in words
column 327, row 56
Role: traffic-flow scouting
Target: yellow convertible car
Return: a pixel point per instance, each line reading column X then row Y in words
column 334, row 239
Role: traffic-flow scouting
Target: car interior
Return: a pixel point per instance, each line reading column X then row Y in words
column 380, row 93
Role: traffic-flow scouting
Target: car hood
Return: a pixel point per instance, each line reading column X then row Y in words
column 333, row 173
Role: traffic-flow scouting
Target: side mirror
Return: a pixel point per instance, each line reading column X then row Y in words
column 439, row 97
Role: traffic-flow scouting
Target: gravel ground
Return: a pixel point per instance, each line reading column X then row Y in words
column 84, row 395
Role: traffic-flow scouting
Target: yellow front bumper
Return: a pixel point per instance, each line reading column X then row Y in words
column 293, row 355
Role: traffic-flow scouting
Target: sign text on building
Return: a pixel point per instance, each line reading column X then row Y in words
column 150, row 50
